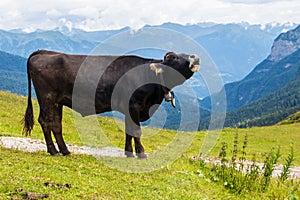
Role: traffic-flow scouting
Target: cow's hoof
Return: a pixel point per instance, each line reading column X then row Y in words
column 129, row 154
column 67, row 153
column 142, row 155
column 55, row 154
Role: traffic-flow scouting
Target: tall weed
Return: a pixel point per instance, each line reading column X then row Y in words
column 242, row 176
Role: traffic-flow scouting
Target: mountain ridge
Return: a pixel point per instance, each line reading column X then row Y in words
column 13, row 73
column 267, row 77
column 270, row 92
column 271, row 75
column 252, row 42
column 285, row 44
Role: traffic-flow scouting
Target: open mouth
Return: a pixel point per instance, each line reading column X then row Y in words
column 195, row 68
column 194, row 63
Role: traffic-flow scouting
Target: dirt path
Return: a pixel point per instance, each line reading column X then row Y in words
column 33, row 145
column 294, row 171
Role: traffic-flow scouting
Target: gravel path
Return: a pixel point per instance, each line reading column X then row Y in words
column 294, row 172
column 33, row 145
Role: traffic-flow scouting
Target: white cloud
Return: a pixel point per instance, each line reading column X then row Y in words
column 254, row 1
column 105, row 14
column 54, row 13
column 87, row 11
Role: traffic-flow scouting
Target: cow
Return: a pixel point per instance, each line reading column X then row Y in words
column 54, row 75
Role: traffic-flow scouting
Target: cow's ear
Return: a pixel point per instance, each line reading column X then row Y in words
column 157, row 68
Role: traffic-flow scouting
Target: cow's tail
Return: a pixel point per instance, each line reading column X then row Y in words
column 28, row 120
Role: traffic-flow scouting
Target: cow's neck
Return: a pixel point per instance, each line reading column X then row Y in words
column 168, row 94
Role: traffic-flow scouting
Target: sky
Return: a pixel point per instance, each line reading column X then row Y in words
column 90, row 15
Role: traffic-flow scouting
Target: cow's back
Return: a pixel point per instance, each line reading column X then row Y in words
column 55, row 74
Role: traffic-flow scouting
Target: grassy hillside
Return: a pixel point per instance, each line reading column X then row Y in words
column 13, row 73
column 292, row 119
column 92, row 179
column 12, row 63
column 12, row 109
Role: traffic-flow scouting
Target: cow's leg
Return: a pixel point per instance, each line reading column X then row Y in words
column 139, row 149
column 128, row 146
column 57, row 129
column 45, row 119
column 133, row 129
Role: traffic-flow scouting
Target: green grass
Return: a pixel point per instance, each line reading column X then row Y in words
column 92, row 179
column 262, row 139
column 294, row 118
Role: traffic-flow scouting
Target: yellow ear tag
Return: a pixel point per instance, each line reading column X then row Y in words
column 156, row 69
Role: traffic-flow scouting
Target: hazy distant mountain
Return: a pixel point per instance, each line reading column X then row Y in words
column 267, row 94
column 271, row 91
column 23, row 44
column 270, row 75
column 235, row 48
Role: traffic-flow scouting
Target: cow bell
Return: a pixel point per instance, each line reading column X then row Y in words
column 170, row 97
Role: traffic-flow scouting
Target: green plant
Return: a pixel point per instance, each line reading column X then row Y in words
column 223, row 153
column 235, row 148
column 240, row 178
column 288, row 163
column 229, row 173
column 245, row 143
column 253, row 172
column 268, row 168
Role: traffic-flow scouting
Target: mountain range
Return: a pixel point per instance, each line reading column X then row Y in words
column 235, row 48
column 271, row 91
column 13, row 73
column 270, row 65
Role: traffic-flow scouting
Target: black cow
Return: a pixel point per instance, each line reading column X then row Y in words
column 54, row 76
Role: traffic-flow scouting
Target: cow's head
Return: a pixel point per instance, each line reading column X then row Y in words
column 185, row 64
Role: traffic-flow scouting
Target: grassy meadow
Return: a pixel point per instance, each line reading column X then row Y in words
column 24, row 173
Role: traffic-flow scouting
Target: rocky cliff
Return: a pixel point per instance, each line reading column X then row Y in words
column 285, row 44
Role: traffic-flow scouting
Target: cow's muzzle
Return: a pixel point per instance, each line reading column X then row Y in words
column 194, row 63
